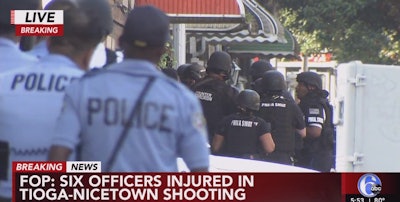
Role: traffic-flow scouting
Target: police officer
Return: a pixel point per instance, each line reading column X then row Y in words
column 40, row 49
column 240, row 134
column 192, row 74
column 257, row 69
column 284, row 116
column 130, row 116
column 32, row 95
column 11, row 56
column 101, row 57
column 181, row 68
column 318, row 145
column 216, row 96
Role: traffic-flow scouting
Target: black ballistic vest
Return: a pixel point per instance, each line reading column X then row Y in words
column 217, row 100
column 281, row 119
column 326, row 140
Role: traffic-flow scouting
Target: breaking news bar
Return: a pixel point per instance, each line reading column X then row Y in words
column 83, row 181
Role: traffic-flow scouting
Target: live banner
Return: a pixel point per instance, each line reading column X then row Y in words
column 84, row 181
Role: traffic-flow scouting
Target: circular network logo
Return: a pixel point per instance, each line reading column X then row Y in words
column 369, row 185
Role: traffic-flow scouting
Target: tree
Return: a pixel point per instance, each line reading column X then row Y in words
column 366, row 30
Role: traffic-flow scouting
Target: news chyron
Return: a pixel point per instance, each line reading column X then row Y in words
column 42, row 181
column 38, row 22
column 83, row 181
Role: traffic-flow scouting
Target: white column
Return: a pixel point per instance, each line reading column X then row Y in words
column 179, row 44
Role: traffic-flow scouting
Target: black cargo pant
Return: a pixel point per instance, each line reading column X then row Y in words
column 281, row 157
column 320, row 160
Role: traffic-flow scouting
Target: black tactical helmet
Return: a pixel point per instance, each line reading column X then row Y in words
column 194, row 71
column 310, row 78
column 249, row 99
column 220, row 61
column 273, row 81
column 258, row 68
column 181, row 69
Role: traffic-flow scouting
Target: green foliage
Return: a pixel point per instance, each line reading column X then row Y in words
column 366, row 30
column 168, row 59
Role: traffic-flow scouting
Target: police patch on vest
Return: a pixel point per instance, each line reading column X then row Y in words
column 243, row 123
column 315, row 120
column 313, row 111
column 204, row 96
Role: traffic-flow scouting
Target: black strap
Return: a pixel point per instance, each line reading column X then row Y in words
column 128, row 124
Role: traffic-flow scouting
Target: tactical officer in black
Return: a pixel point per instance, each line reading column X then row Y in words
column 240, row 134
column 284, row 116
column 216, row 96
column 182, row 68
column 257, row 69
column 192, row 74
column 317, row 152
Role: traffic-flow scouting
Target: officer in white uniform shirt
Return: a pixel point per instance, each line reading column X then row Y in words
column 31, row 97
column 40, row 49
column 130, row 116
column 11, row 56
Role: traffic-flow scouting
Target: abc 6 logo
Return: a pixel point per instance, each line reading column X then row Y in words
column 369, row 185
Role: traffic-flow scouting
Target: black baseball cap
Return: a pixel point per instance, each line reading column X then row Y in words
column 146, row 26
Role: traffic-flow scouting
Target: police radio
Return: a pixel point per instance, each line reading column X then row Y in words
column 4, row 156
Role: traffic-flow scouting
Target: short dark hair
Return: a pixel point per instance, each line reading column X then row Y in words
column 5, row 15
column 82, row 29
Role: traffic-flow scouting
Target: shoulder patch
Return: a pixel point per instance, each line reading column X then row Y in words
column 313, row 111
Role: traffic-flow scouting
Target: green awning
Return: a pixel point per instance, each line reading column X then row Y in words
column 272, row 49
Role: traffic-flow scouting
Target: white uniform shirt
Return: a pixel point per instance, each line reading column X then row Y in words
column 11, row 57
column 39, row 50
column 98, row 59
column 30, row 102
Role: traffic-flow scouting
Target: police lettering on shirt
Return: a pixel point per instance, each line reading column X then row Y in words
column 273, row 104
column 204, row 96
column 315, row 120
column 243, row 123
column 41, row 82
column 113, row 111
column 316, row 116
